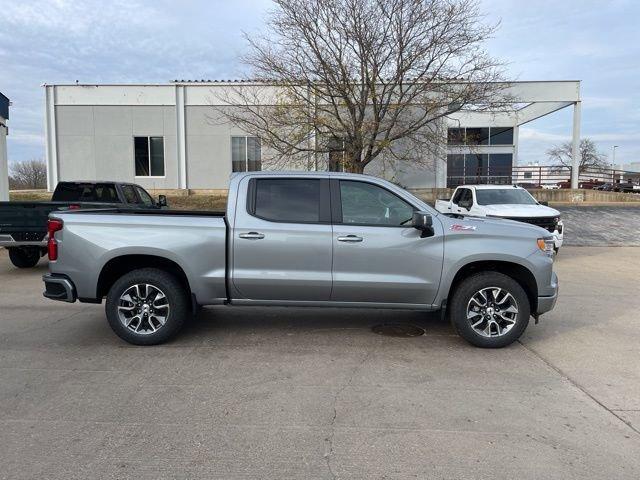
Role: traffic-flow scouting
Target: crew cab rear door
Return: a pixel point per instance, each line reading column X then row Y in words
column 282, row 239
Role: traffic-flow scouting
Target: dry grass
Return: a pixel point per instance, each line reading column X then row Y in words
column 30, row 196
column 177, row 202
column 197, row 202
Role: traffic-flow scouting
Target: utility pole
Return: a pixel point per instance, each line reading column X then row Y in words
column 613, row 165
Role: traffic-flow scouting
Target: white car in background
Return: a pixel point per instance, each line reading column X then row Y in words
column 504, row 201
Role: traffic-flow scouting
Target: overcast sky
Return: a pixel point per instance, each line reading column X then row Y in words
column 98, row 41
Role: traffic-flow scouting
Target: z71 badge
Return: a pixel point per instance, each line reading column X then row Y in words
column 462, row 228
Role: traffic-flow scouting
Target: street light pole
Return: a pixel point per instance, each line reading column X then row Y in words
column 613, row 164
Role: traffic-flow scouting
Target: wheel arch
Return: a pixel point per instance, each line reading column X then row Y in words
column 521, row 274
column 123, row 264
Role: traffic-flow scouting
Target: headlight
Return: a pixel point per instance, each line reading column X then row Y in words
column 546, row 245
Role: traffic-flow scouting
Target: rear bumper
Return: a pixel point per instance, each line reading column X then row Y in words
column 59, row 287
column 8, row 241
column 546, row 303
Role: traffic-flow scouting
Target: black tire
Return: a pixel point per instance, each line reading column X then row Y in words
column 24, row 257
column 177, row 298
column 462, row 297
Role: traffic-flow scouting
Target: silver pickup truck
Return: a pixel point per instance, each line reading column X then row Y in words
column 303, row 239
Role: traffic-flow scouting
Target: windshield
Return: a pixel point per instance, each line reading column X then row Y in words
column 506, row 196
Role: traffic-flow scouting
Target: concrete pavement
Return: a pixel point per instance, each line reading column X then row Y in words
column 309, row 393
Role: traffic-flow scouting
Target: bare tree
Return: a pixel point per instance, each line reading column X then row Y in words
column 363, row 79
column 590, row 157
column 28, row 174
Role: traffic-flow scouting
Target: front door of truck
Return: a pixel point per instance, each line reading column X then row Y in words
column 282, row 240
column 377, row 256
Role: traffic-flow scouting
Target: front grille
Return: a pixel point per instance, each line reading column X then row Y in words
column 548, row 223
column 28, row 236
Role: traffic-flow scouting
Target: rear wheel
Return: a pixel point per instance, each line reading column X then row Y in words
column 24, row 257
column 147, row 306
column 490, row 310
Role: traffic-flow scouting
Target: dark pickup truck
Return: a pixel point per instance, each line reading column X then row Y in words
column 23, row 225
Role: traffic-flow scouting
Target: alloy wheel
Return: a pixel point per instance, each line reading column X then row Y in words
column 143, row 308
column 492, row 312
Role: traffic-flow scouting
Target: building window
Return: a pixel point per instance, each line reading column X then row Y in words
column 477, row 136
column 501, row 136
column 480, row 136
column 246, row 154
column 455, row 136
column 500, row 167
column 479, row 168
column 149, row 156
column 476, row 167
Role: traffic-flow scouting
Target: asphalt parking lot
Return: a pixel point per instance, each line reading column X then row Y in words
column 612, row 225
column 309, row 393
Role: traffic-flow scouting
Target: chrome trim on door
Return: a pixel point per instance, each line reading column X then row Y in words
column 252, row 236
column 350, row 239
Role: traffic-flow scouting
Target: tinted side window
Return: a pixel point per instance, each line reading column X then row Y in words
column 367, row 204
column 67, row 192
column 145, row 197
column 456, row 198
column 129, row 194
column 105, row 193
column 288, row 200
column 466, row 195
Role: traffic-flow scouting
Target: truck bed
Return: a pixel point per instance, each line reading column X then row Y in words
column 128, row 211
column 194, row 241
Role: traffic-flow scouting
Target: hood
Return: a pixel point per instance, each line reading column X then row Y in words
column 510, row 210
column 457, row 225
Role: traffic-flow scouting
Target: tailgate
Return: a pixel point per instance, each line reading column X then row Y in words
column 24, row 221
column 27, row 221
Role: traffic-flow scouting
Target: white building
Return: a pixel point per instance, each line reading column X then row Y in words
column 4, row 131
column 162, row 135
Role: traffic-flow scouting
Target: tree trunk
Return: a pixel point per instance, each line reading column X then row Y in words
column 354, row 167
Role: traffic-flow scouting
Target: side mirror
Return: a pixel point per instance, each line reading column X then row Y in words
column 422, row 221
column 162, row 200
column 545, row 204
column 465, row 204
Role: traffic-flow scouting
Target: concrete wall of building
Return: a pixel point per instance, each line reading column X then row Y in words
column 96, row 142
column 89, row 132
column 208, row 140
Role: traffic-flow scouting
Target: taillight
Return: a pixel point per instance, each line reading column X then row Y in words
column 53, row 225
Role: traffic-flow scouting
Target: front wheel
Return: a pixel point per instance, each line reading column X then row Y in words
column 490, row 310
column 147, row 306
column 24, row 257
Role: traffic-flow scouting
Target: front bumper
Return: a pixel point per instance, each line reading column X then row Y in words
column 59, row 287
column 546, row 303
column 558, row 235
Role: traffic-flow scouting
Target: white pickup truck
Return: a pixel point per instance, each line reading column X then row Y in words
column 503, row 201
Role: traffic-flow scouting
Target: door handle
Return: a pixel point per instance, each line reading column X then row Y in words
column 252, row 236
column 350, row 239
